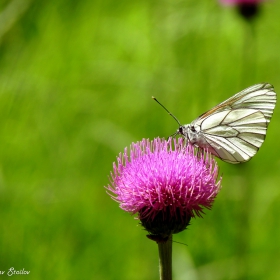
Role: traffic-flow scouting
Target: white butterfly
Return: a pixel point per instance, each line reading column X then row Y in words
column 235, row 129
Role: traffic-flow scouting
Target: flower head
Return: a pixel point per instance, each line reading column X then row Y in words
column 237, row 2
column 248, row 9
column 165, row 184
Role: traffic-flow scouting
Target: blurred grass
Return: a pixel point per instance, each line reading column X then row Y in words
column 76, row 80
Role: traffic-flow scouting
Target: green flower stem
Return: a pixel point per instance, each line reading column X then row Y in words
column 165, row 259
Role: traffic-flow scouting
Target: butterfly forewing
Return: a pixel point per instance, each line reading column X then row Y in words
column 260, row 97
column 235, row 129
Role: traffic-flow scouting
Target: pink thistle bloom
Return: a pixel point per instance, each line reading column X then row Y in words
column 164, row 183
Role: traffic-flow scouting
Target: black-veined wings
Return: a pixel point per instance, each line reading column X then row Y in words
column 235, row 129
column 260, row 97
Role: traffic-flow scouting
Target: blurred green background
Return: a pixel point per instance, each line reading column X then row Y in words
column 76, row 80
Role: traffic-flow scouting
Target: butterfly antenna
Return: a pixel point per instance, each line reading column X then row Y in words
column 167, row 112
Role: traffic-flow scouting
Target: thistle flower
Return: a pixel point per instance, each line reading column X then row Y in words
column 241, row 1
column 165, row 184
column 246, row 8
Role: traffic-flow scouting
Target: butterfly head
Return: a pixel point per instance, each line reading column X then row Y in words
column 190, row 132
column 181, row 130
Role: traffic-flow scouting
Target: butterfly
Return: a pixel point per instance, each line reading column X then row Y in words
column 235, row 129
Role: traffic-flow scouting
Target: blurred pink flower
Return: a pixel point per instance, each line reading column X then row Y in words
column 248, row 9
column 163, row 183
column 237, row 2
